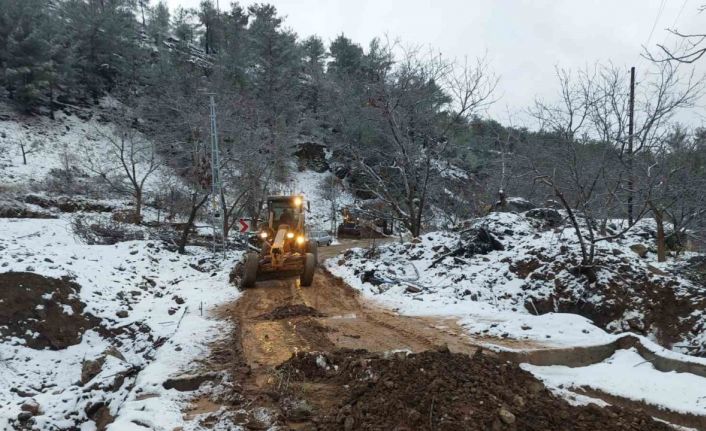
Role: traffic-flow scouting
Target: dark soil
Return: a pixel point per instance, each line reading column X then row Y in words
column 43, row 311
column 665, row 307
column 68, row 204
column 14, row 209
column 439, row 390
column 291, row 310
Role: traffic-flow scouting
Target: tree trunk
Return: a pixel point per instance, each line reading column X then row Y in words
column 661, row 240
column 195, row 206
column 24, row 154
column 138, row 207
column 51, row 101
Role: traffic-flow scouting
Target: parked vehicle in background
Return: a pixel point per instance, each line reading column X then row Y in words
column 321, row 237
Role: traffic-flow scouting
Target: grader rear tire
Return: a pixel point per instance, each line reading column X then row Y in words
column 249, row 271
column 307, row 275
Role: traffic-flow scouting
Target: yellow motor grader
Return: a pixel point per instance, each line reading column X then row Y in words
column 285, row 247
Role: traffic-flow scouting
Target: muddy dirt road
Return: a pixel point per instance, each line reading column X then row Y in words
column 355, row 379
column 279, row 318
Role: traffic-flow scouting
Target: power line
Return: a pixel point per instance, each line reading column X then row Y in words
column 683, row 5
column 654, row 24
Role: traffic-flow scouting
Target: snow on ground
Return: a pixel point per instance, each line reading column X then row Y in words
column 497, row 291
column 167, row 297
column 525, row 269
column 311, row 184
column 478, row 317
column 629, row 375
column 54, row 144
column 46, row 139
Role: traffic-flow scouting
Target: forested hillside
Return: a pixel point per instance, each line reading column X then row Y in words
column 401, row 125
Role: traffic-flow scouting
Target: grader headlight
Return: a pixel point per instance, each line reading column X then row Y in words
column 290, row 235
column 300, row 240
column 263, row 235
column 298, row 201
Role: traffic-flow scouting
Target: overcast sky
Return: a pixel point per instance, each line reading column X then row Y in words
column 524, row 40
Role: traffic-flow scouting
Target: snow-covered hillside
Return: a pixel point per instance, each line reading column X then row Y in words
column 145, row 318
column 526, row 264
column 508, row 279
column 323, row 202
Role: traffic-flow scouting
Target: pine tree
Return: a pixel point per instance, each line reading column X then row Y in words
column 104, row 39
column 184, row 30
column 212, row 37
column 234, row 44
column 347, row 57
column 275, row 68
column 314, row 53
column 25, row 53
column 158, row 24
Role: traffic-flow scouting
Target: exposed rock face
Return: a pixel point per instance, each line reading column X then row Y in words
column 312, row 156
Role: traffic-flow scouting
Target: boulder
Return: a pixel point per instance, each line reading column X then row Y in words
column 91, row 368
column 639, row 249
column 480, row 241
column 506, row 416
column 32, row 407
column 188, row 382
column 413, row 289
column 516, row 204
column 551, row 217
column 113, row 351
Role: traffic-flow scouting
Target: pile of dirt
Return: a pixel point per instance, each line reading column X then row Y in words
column 291, row 310
column 45, row 312
column 439, row 390
column 617, row 294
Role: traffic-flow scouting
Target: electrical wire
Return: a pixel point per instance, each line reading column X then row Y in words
column 654, row 24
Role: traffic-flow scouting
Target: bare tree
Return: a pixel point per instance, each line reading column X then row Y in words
column 590, row 168
column 411, row 112
column 126, row 162
column 28, row 147
column 676, row 169
column 690, row 50
column 573, row 166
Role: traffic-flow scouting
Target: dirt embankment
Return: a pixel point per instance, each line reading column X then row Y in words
column 45, row 312
column 321, row 358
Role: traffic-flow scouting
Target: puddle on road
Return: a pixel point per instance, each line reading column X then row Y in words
column 344, row 316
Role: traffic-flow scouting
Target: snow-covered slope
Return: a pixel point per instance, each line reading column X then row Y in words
column 67, row 142
column 151, row 306
column 508, row 262
column 508, row 280
column 324, row 198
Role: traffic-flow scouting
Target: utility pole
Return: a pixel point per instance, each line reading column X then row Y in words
column 215, row 173
column 631, row 182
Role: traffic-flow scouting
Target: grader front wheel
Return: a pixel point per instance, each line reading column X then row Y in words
column 307, row 276
column 313, row 248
